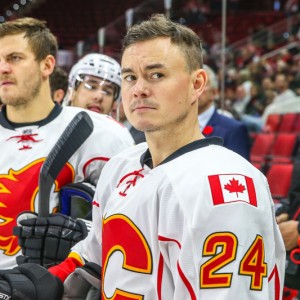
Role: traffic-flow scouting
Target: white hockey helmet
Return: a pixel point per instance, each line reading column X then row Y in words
column 98, row 65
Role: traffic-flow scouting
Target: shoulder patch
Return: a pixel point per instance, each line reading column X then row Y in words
column 227, row 188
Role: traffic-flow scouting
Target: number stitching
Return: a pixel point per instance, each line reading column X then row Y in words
column 222, row 247
column 227, row 243
column 253, row 265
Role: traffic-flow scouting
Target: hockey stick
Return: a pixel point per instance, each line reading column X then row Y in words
column 69, row 142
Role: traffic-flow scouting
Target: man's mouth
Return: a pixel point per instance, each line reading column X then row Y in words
column 96, row 109
column 5, row 83
column 142, row 108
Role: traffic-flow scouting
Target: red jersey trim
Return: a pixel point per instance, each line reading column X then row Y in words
column 181, row 274
column 90, row 161
column 275, row 274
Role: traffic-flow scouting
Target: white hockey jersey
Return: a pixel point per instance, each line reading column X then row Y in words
column 201, row 225
column 24, row 148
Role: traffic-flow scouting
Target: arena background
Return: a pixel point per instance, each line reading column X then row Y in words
column 94, row 25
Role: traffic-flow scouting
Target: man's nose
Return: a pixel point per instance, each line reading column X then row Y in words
column 4, row 67
column 141, row 88
column 99, row 95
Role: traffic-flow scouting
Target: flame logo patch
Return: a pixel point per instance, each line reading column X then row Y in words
column 18, row 193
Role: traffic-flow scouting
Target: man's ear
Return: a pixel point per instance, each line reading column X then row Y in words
column 58, row 96
column 199, row 82
column 47, row 65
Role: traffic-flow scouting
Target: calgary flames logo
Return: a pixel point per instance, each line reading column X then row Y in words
column 18, row 191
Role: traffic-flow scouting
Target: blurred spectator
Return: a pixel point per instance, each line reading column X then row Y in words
column 256, row 105
column 58, row 84
column 285, row 99
column 267, row 83
column 254, row 109
column 282, row 88
column 242, row 98
column 231, row 78
column 212, row 123
column 268, row 90
column 289, row 105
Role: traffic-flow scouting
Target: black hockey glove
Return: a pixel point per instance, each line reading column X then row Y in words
column 84, row 283
column 29, row 282
column 47, row 240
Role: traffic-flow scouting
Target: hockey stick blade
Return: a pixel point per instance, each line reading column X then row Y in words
column 78, row 130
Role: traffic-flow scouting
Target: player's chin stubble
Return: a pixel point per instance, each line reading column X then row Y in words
column 28, row 92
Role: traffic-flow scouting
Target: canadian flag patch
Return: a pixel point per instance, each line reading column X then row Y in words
column 227, row 188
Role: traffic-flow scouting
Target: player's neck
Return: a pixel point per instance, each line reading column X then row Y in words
column 163, row 144
column 33, row 111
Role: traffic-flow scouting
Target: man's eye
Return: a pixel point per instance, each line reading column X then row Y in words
column 14, row 58
column 129, row 78
column 91, row 86
column 107, row 92
column 156, row 75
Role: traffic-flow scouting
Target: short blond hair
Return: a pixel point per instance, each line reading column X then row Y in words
column 39, row 36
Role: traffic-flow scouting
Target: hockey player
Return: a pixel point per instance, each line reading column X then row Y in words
column 180, row 217
column 90, row 83
column 30, row 125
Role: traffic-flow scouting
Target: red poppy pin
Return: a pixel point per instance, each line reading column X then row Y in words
column 208, row 130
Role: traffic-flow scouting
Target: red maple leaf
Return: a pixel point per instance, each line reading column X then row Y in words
column 207, row 130
column 234, row 187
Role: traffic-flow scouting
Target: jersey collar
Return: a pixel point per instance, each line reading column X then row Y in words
column 146, row 158
column 11, row 125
